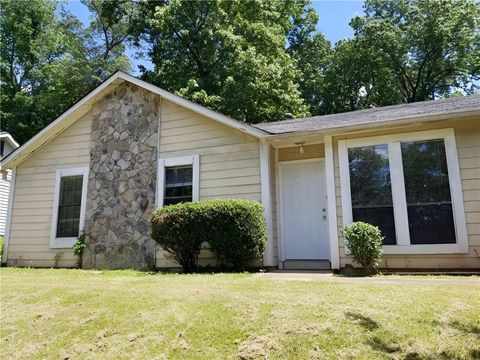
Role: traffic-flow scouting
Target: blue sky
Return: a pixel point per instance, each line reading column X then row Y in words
column 334, row 18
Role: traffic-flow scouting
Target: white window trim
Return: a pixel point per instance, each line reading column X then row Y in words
column 398, row 190
column 193, row 160
column 67, row 242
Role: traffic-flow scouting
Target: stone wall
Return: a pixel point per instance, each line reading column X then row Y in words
column 122, row 180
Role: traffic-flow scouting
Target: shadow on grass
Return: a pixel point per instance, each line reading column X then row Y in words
column 363, row 321
column 469, row 329
column 383, row 346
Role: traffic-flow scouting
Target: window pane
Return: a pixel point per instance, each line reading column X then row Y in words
column 178, row 184
column 69, row 206
column 371, row 188
column 429, row 205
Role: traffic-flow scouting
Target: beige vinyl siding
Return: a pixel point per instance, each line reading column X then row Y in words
column 5, row 185
column 467, row 135
column 29, row 243
column 229, row 159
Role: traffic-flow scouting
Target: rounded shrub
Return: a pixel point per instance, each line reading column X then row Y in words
column 235, row 230
column 365, row 244
column 175, row 229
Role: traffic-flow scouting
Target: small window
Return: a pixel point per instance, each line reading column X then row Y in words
column 178, row 180
column 69, row 206
column 178, row 184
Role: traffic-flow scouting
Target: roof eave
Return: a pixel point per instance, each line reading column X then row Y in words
column 370, row 126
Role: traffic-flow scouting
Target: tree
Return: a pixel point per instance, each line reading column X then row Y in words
column 48, row 62
column 229, row 55
column 430, row 47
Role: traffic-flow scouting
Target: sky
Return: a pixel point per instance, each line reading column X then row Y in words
column 335, row 16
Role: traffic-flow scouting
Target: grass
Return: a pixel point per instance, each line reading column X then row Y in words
column 76, row 314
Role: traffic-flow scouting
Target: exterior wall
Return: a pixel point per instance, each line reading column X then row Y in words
column 467, row 134
column 29, row 242
column 229, row 159
column 5, row 185
column 122, row 181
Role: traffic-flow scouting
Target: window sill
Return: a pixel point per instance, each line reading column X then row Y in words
column 425, row 249
column 62, row 243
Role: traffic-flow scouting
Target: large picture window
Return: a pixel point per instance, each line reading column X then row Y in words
column 69, row 206
column 371, row 188
column 409, row 186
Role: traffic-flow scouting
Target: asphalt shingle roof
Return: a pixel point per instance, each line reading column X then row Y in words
column 375, row 115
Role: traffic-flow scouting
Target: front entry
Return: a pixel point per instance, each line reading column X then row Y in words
column 304, row 230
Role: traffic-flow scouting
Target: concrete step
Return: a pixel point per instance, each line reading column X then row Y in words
column 306, row 265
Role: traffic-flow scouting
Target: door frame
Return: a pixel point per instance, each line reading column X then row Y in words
column 281, row 201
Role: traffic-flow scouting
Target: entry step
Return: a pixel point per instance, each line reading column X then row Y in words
column 306, row 265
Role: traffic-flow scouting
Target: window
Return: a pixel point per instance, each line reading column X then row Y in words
column 371, row 189
column 178, row 184
column 427, row 188
column 178, row 180
column 409, row 186
column 69, row 206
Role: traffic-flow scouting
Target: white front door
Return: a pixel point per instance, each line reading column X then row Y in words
column 304, row 210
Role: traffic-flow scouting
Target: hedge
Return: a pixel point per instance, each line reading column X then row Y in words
column 234, row 228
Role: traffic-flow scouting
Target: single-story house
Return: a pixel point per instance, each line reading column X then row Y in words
column 129, row 147
column 7, row 145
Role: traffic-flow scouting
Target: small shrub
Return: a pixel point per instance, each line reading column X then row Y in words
column 235, row 230
column 176, row 229
column 78, row 249
column 365, row 244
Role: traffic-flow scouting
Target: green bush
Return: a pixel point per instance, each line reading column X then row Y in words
column 1, row 247
column 235, row 230
column 365, row 244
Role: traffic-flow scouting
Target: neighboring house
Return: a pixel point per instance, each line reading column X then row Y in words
column 7, row 145
column 129, row 147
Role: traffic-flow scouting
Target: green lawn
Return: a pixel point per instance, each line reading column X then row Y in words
column 75, row 314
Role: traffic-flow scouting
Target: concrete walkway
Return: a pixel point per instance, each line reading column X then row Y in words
column 388, row 279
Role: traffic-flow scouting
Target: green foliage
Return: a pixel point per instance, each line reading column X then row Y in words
column 429, row 48
column 235, row 229
column 48, row 62
column 230, row 55
column 365, row 244
column 79, row 248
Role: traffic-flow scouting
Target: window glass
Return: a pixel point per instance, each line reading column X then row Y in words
column 371, row 188
column 429, row 205
column 178, row 184
column 69, row 206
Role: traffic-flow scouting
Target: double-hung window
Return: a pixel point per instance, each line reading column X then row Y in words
column 409, row 186
column 69, row 206
column 178, row 180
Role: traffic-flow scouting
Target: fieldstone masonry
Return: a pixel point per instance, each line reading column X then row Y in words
column 122, row 180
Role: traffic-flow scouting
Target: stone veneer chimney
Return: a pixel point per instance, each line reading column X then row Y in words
column 122, row 180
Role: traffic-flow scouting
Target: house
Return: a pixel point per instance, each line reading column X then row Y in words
column 7, row 145
column 129, row 147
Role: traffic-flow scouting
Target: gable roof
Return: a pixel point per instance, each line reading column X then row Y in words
column 85, row 104
column 424, row 110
